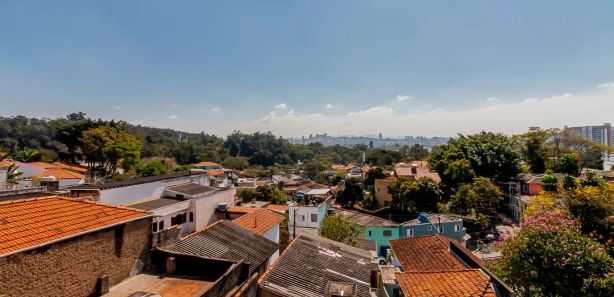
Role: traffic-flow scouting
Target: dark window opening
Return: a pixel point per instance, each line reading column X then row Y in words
column 154, row 227
column 387, row 233
column 161, row 225
column 183, row 218
column 191, row 217
column 119, row 240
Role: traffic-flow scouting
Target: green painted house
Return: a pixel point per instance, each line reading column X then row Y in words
column 373, row 228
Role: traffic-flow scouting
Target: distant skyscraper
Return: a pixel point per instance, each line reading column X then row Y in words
column 380, row 136
column 599, row 134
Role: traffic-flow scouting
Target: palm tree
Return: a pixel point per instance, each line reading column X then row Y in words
column 11, row 175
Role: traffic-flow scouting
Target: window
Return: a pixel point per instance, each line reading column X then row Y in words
column 387, row 233
column 369, row 232
column 456, row 228
column 429, row 228
column 410, row 232
column 161, row 225
column 314, row 217
column 441, row 230
column 183, row 218
column 154, row 227
column 300, row 218
column 191, row 217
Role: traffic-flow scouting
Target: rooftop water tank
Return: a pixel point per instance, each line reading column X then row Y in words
column 222, row 206
column 423, row 217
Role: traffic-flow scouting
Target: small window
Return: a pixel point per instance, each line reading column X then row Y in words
column 161, row 225
column 410, row 232
column 441, row 230
column 154, row 227
column 191, row 217
column 387, row 233
column 429, row 228
column 369, row 232
column 456, row 228
column 300, row 218
column 314, row 217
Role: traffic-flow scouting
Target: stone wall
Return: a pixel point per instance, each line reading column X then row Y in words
column 72, row 267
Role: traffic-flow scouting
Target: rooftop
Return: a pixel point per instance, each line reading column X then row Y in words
column 155, row 203
column 240, row 209
column 167, row 286
column 60, row 174
column 259, row 221
column 310, row 263
column 133, row 181
column 435, row 218
column 467, row 282
column 29, row 223
column 191, row 189
column 366, row 220
column 426, row 253
column 206, row 163
column 277, row 207
column 225, row 240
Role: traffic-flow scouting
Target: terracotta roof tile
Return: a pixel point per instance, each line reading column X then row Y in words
column 28, row 223
column 206, row 163
column 426, row 253
column 60, row 174
column 259, row 221
column 459, row 283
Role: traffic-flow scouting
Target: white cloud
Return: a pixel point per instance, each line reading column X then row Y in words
column 329, row 106
column 281, row 106
column 606, row 85
column 216, row 108
column 499, row 116
column 172, row 117
column 492, row 99
column 402, row 97
column 117, row 107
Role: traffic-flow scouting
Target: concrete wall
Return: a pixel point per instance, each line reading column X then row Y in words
column 166, row 213
column 125, row 195
column 71, row 267
column 204, row 208
column 3, row 174
column 273, row 235
column 381, row 192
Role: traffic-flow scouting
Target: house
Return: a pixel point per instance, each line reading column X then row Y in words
column 206, row 165
column 31, row 169
column 54, row 246
column 429, row 224
column 531, row 184
column 314, row 266
column 435, row 265
column 382, row 196
column 307, row 217
column 278, row 208
column 129, row 190
column 373, row 228
column 415, row 170
column 226, row 240
column 62, row 176
column 190, row 206
column 264, row 223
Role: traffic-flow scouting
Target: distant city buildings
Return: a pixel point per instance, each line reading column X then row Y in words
column 378, row 141
column 601, row 134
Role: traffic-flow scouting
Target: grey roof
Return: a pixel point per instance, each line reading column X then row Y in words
column 310, row 262
column 191, row 189
column 367, row 245
column 318, row 191
column 227, row 241
column 132, row 181
column 434, row 218
column 155, row 203
column 366, row 220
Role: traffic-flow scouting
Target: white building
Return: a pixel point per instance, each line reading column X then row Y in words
column 307, row 218
column 599, row 134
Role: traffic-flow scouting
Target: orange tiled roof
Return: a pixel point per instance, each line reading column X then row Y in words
column 426, row 253
column 259, row 221
column 28, row 223
column 277, row 207
column 5, row 163
column 206, row 163
column 215, row 172
column 60, row 174
column 239, row 209
column 460, row 283
column 71, row 167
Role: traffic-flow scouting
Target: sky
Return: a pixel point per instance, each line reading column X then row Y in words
column 432, row 68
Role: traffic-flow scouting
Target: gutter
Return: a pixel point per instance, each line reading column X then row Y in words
column 75, row 235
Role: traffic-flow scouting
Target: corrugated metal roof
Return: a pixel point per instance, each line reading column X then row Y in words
column 133, row 181
column 228, row 241
column 155, row 203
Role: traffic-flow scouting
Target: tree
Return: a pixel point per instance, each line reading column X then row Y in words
column 29, row 155
column 569, row 164
column 313, row 168
column 336, row 227
column 533, row 148
column 550, row 257
column 270, row 193
column 421, row 195
column 238, row 163
column 152, row 168
column 246, row 194
column 549, row 181
column 414, row 152
column 351, row 193
column 105, row 146
column 11, row 173
column 481, row 198
column 372, row 175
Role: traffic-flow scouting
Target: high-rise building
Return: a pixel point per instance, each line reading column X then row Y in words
column 380, row 136
column 599, row 134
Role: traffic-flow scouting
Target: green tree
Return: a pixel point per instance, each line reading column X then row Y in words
column 549, row 181
column 336, row 227
column 238, row 163
column 414, row 153
column 270, row 193
column 152, row 168
column 313, row 168
column 246, row 195
column 481, row 198
column 29, row 155
column 550, row 257
column 352, row 192
column 105, row 146
column 415, row 196
column 569, row 164
column 372, row 175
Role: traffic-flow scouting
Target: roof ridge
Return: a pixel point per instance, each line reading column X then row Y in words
column 440, row 271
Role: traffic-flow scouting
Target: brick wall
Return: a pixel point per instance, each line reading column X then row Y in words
column 71, row 267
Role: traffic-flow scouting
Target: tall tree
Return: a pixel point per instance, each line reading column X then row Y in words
column 105, row 146
column 336, row 227
column 415, row 196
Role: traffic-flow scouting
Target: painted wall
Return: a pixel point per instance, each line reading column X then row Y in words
column 166, row 213
column 273, row 235
column 451, row 229
column 381, row 192
column 377, row 234
column 28, row 170
column 125, row 195
column 204, row 208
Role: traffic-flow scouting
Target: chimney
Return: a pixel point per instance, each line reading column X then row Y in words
column 171, row 265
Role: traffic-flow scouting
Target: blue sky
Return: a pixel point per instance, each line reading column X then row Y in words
column 299, row 67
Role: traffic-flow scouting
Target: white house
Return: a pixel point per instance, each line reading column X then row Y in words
column 264, row 223
column 307, row 218
column 190, row 206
